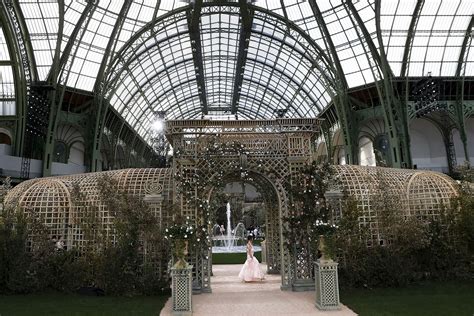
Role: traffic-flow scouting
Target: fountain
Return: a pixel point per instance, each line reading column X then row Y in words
column 234, row 240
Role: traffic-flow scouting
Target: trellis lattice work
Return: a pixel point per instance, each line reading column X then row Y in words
column 54, row 202
column 264, row 153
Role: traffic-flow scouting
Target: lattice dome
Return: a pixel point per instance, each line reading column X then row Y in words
column 419, row 193
column 427, row 193
column 14, row 194
column 415, row 192
column 52, row 200
column 49, row 200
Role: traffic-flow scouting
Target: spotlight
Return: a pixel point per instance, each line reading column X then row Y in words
column 158, row 125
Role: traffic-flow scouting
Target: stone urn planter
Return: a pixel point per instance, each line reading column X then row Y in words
column 326, row 279
column 180, row 251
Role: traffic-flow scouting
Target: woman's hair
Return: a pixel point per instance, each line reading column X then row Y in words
column 249, row 237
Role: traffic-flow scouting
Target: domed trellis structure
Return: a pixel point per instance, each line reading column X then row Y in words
column 49, row 201
column 421, row 193
column 267, row 154
column 54, row 202
column 264, row 153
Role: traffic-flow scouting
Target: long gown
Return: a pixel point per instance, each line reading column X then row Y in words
column 251, row 269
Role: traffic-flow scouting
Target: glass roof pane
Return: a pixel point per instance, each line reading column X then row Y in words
column 4, row 54
column 42, row 20
column 7, row 84
column 158, row 70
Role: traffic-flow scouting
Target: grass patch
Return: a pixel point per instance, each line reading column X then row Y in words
column 72, row 304
column 233, row 258
column 429, row 298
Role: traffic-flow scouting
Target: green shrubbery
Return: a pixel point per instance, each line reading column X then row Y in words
column 407, row 248
column 30, row 262
column 414, row 249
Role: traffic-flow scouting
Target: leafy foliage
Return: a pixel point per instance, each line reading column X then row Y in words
column 309, row 214
column 413, row 249
column 29, row 261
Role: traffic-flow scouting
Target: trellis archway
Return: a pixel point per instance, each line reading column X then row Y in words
column 206, row 151
column 273, row 212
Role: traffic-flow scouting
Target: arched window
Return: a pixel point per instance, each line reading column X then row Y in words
column 7, row 82
column 382, row 151
column 60, row 152
column 427, row 146
column 5, row 142
column 5, row 139
column 366, row 152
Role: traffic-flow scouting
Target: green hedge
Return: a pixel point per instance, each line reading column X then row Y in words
column 233, row 258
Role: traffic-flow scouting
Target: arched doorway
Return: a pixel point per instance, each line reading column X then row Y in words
column 339, row 150
column 366, row 152
column 269, row 153
column 427, row 147
column 269, row 197
column 5, row 142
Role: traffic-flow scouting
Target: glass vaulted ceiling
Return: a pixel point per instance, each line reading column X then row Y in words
column 159, row 69
column 164, row 76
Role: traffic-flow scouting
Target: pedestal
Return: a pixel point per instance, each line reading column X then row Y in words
column 303, row 285
column 181, row 290
column 327, row 285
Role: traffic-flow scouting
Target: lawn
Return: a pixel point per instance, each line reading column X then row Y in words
column 233, row 258
column 430, row 298
column 71, row 305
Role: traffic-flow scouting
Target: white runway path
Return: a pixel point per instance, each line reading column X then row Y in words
column 231, row 297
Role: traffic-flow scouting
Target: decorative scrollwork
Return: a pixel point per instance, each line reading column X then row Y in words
column 153, row 187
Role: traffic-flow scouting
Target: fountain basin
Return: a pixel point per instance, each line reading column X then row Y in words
column 235, row 249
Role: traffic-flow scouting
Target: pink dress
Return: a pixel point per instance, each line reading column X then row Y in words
column 251, row 269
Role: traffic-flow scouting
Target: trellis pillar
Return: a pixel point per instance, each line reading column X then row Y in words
column 264, row 251
column 327, row 284
column 302, row 269
column 182, row 290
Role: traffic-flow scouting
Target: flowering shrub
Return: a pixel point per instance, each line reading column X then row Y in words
column 180, row 234
column 309, row 215
column 179, row 231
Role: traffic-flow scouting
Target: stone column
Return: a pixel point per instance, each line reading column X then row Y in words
column 182, row 291
column 264, row 251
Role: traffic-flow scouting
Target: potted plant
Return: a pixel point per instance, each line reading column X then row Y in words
column 179, row 235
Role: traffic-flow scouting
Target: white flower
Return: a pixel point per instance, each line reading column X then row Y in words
column 185, row 236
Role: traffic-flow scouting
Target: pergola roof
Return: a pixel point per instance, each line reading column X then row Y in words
column 195, row 58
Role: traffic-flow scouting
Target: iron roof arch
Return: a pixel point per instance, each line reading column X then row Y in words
column 289, row 78
column 119, row 55
column 168, row 91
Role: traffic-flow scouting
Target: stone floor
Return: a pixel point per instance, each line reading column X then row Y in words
column 231, row 297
